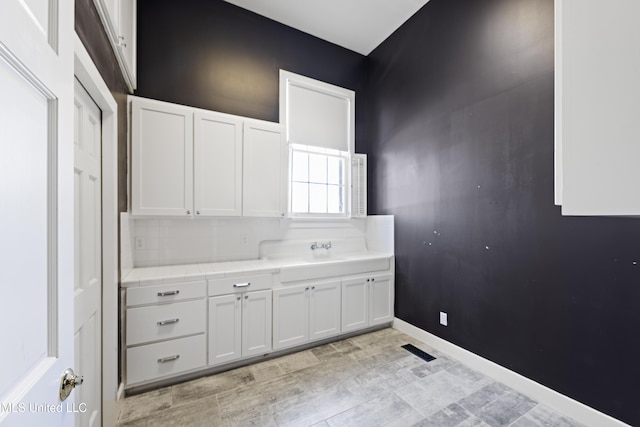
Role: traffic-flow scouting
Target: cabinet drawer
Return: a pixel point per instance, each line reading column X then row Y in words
column 157, row 322
column 239, row 284
column 165, row 293
column 149, row 362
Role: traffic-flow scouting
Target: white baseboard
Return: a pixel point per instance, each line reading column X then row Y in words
column 551, row 398
column 120, row 395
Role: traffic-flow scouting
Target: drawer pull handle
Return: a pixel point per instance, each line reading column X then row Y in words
column 168, row 293
column 168, row 322
column 169, row 358
column 242, row 285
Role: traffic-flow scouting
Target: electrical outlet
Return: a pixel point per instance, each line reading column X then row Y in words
column 139, row 243
column 443, row 318
column 244, row 239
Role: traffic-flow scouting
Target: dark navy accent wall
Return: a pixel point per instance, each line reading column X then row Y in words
column 214, row 55
column 461, row 151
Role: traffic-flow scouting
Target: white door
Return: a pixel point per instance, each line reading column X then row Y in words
column 88, row 254
column 36, row 218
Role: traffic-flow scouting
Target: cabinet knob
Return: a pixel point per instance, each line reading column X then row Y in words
column 239, row 298
column 313, row 287
column 306, row 289
column 188, row 212
column 373, row 280
column 368, row 280
column 246, row 297
column 197, row 212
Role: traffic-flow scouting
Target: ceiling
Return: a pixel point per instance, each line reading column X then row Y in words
column 359, row 25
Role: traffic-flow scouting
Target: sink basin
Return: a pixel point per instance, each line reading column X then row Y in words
column 332, row 267
column 322, row 259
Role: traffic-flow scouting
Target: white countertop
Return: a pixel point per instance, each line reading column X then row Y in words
column 144, row 276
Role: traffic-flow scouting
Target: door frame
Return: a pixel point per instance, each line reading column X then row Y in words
column 87, row 73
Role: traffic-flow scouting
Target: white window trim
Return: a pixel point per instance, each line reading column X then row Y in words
column 287, row 79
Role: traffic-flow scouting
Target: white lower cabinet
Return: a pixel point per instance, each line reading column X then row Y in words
column 166, row 358
column 305, row 313
column 165, row 331
column 367, row 301
column 239, row 326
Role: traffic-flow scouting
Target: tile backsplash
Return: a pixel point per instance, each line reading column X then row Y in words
column 154, row 242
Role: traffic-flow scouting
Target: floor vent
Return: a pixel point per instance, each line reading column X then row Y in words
column 421, row 354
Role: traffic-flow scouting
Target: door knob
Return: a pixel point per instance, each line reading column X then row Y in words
column 68, row 382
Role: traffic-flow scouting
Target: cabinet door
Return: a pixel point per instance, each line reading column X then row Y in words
column 109, row 14
column 290, row 316
column 596, row 107
column 217, row 164
column 256, row 323
column 355, row 304
column 264, row 170
column 324, row 310
column 161, row 158
column 127, row 40
column 225, row 317
column 380, row 300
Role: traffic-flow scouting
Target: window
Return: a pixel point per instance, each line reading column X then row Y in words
column 319, row 127
column 318, row 182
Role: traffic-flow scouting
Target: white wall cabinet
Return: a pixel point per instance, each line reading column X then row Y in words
column 597, row 91
column 367, row 301
column 306, row 313
column 217, row 164
column 198, row 163
column 264, row 170
column 119, row 20
column 161, row 158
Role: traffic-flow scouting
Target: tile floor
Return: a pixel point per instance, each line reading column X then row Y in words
column 368, row 380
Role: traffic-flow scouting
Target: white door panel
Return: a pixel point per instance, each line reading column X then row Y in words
column 36, row 219
column 88, row 254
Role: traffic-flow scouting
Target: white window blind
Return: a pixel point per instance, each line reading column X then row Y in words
column 316, row 113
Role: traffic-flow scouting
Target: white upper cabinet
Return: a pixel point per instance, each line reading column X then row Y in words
column 596, row 107
column 217, row 164
column 127, row 41
column 161, row 158
column 191, row 162
column 119, row 20
column 264, row 169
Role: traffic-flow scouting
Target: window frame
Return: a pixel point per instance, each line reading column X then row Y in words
column 286, row 80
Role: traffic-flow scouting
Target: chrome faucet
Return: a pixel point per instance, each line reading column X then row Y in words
column 315, row 246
